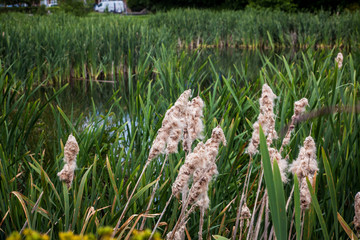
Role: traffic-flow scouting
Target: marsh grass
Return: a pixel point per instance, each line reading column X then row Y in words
column 61, row 46
column 114, row 145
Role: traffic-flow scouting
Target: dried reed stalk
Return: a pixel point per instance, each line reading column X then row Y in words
column 239, row 211
column 153, row 193
column 254, row 209
column 161, row 215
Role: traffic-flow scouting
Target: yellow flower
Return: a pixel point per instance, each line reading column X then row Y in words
column 14, row 236
column 66, row 235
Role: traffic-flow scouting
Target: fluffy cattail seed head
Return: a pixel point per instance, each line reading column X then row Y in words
column 245, row 212
column 172, row 127
column 71, row 150
column 266, row 119
column 212, row 144
column 306, row 164
column 305, row 196
column 299, row 108
column 357, row 212
column 339, row 59
column 194, row 124
column 192, row 161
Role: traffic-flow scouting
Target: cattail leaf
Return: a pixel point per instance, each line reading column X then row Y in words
column 140, row 192
column 112, row 180
column 280, row 199
column 79, row 198
column 22, row 202
column 346, row 227
column 67, row 120
column 315, row 204
column 218, row 237
column 270, row 186
column 297, row 207
column 41, row 171
column 331, row 185
column 270, row 40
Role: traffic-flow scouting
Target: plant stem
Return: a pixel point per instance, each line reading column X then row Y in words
column 256, row 199
column 162, row 214
column 153, row 194
column 127, row 203
column 242, row 200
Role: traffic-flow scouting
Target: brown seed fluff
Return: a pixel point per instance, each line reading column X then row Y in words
column 266, row 119
column 71, row 150
column 245, row 212
column 172, row 127
column 192, row 161
column 305, row 166
column 194, row 124
column 305, row 196
column 299, row 108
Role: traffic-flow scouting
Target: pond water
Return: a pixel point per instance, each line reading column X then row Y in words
column 88, row 102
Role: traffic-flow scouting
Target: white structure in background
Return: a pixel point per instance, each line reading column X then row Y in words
column 49, row 3
column 110, row 6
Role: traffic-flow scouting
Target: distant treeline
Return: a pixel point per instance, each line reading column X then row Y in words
column 285, row 5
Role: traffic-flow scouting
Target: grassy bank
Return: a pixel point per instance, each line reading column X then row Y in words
column 114, row 146
column 61, row 46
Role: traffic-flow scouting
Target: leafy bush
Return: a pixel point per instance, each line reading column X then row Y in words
column 75, row 7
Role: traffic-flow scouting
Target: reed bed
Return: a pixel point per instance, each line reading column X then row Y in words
column 114, row 146
column 62, row 47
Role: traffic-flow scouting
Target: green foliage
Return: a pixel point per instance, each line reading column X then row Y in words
column 138, row 5
column 283, row 5
column 75, row 7
column 115, row 134
column 62, row 46
column 275, row 190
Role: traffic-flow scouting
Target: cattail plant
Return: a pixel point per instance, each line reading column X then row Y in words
column 267, row 121
column 192, row 129
column 71, row 150
column 166, row 141
column 339, row 60
column 201, row 164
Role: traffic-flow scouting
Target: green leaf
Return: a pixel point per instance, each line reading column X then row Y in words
column 316, row 206
column 218, row 237
column 273, row 186
column 331, row 185
column 346, row 227
column 79, row 198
